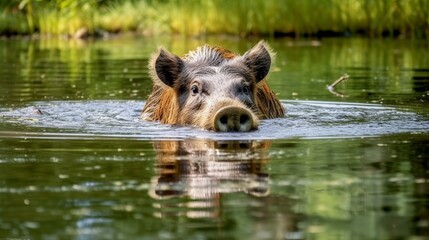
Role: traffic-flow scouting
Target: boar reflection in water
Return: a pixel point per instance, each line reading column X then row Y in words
column 212, row 88
column 203, row 170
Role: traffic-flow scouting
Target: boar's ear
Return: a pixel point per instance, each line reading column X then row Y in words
column 258, row 60
column 167, row 67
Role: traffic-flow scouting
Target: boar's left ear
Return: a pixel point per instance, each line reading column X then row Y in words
column 258, row 60
column 167, row 67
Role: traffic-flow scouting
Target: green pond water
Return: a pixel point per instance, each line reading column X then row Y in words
column 349, row 164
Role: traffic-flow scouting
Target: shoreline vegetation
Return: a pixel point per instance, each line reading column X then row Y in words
column 273, row 18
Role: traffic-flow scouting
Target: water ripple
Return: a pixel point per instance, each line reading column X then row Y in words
column 120, row 119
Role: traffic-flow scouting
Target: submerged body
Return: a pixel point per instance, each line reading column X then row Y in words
column 212, row 88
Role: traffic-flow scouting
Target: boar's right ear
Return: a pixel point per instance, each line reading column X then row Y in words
column 167, row 67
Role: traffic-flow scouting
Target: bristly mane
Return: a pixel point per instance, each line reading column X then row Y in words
column 207, row 55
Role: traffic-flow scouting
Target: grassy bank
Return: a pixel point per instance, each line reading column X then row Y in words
column 202, row 17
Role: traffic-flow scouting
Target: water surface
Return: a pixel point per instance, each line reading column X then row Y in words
column 121, row 119
column 352, row 165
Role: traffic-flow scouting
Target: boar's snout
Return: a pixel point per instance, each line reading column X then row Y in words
column 233, row 118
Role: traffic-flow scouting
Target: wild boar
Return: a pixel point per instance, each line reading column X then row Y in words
column 212, row 88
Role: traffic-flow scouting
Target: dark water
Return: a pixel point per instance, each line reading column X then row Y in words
column 347, row 165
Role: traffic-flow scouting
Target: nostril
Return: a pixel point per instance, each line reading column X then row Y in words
column 224, row 120
column 244, row 118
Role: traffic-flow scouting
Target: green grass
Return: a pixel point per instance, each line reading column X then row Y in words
column 372, row 18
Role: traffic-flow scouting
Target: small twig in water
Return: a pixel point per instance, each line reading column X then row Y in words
column 331, row 87
column 339, row 80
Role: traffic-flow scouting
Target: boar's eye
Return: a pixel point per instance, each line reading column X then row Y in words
column 246, row 90
column 195, row 89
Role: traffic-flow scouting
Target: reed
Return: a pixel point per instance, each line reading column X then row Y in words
column 306, row 17
column 13, row 24
column 11, row 20
column 202, row 17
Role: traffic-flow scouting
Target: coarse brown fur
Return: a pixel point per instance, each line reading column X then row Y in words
column 163, row 103
column 161, row 98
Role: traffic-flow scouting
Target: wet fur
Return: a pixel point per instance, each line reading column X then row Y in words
column 163, row 103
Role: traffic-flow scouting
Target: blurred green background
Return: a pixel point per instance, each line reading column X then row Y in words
column 77, row 18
